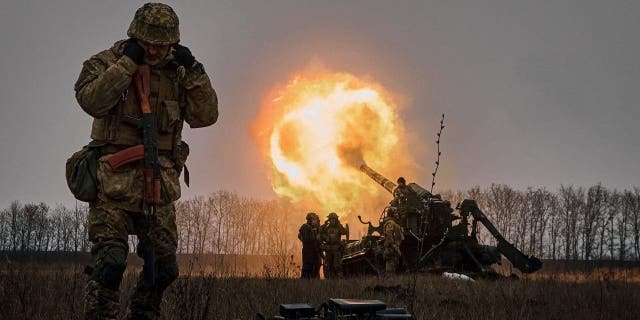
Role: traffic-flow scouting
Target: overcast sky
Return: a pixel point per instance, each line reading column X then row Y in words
column 536, row 93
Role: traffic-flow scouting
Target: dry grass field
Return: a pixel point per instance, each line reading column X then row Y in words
column 29, row 291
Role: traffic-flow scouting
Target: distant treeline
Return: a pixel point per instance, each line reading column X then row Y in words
column 572, row 223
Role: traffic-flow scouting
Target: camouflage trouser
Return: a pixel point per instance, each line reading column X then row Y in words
column 109, row 228
column 311, row 259
column 391, row 259
column 332, row 263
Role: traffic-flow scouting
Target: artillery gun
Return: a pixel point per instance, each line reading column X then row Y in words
column 432, row 241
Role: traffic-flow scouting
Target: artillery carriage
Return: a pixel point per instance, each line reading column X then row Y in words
column 432, row 242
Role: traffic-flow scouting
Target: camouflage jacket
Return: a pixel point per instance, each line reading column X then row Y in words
column 403, row 198
column 105, row 91
column 393, row 233
column 309, row 236
column 331, row 234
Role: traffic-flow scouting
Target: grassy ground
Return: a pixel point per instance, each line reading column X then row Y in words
column 56, row 292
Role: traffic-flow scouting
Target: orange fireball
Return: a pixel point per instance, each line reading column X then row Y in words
column 318, row 128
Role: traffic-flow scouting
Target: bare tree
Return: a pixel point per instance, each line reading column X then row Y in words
column 634, row 207
column 622, row 223
column 571, row 203
column 4, row 230
column 555, row 218
column 607, row 228
column 592, row 217
column 504, row 206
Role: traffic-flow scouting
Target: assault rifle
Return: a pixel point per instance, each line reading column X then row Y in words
column 340, row 309
column 151, row 171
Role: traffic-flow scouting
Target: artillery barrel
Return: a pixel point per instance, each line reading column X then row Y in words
column 384, row 182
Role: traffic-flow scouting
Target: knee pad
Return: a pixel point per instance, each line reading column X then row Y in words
column 110, row 267
column 167, row 271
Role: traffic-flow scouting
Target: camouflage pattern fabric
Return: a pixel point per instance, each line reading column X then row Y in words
column 401, row 195
column 333, row 263
column 155, row 23
column 105, row 91
column 330, row 235
column 122, row 187
column 393, row 237
column 109, row 228
column 145, row 301
column 404, row 199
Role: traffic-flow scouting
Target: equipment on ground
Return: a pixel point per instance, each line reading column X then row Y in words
column 340, row 309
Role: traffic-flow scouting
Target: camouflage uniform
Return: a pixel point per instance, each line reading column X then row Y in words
column 311, row 252
column 330, row 235
column 403, row 199
column 393, row 236
column 105, row 91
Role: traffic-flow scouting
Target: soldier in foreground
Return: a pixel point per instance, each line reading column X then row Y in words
column 331, row 233
column 178, row 89
column 311, row 252
column 393, row 236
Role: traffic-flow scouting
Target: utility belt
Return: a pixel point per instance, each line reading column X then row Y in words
column 108, row 148
column 81, row 167
column 120, row 155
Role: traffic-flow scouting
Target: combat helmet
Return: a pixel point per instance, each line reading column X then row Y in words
column 312, row 216
column 155, row 23
column 401, row 180
column 332, row 215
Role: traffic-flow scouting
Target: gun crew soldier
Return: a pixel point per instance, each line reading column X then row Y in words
column 331, row 233
column 393, row 237
column 404, row 198
column 311, row 252
column 139, row 92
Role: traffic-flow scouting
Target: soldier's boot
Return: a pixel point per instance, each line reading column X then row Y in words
column 145, row 300
column 101, row 297
column 100, row 302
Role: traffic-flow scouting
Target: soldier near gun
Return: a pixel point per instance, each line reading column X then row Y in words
column 393, row 237
column 180, row 90
column 403, row 196
column 331, row 233
column 311, row 251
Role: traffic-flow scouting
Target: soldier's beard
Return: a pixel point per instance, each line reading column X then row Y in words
column 152, row 61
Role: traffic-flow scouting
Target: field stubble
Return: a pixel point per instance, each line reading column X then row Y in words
column 56, row 292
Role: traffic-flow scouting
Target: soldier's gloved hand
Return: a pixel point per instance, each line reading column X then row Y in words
column 134, row 51
column 183, row 56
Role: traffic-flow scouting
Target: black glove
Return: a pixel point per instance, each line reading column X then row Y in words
column 134, row 51
column 183, row 56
